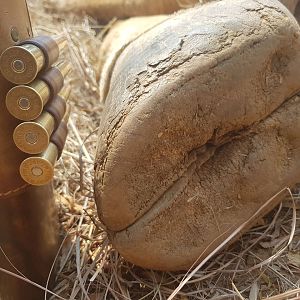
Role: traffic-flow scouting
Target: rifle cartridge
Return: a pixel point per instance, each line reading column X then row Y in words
column 39, row 170
column 20, row 64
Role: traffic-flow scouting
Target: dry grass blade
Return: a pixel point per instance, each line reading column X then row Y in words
column 30, row 282
column 270, row 259
column 11, row 263
column 295, row 294
column 237, row 291
column 224, row 243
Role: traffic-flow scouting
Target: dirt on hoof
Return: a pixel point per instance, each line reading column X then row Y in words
column 200, row 130
column 118, row 38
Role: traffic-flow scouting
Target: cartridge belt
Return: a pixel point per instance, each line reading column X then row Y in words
column 39, row 100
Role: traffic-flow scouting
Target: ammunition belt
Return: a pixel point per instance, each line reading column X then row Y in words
column 38, row 99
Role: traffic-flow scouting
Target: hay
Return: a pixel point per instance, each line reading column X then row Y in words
column 89, row 267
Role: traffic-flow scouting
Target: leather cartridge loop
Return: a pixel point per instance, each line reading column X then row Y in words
column 57, row 108
column 55, row 80
column 48, row 46
column 59, row 137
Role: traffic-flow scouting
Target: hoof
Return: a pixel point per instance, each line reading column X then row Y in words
column 197, row 134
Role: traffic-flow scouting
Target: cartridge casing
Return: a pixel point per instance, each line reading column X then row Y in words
column 26, row 102
column 20, row 64
column 39, row 170
column 34, row 137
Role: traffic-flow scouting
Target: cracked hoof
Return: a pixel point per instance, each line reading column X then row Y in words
column 197, row 133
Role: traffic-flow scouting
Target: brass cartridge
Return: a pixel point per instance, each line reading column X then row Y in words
column 39, row 170
column 20, row 64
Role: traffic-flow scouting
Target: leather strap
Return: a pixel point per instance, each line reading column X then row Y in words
column 54, row 79
column 57, row 108
column 48, row 46
column 59, row 137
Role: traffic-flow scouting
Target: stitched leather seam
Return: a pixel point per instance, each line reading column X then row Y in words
column 13, row 191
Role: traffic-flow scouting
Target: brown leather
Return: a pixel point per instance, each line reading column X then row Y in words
column 54, row 80
column 28, row 224
column 59, row 137
column 48, row 46
column 57, row 108
column 28, row 236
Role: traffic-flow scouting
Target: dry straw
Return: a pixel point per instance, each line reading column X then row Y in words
column 265, row 262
